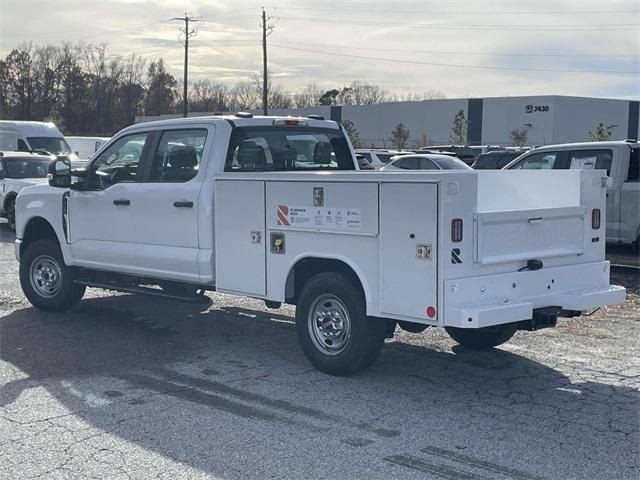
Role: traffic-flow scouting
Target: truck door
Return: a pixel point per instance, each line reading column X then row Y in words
column 240, row 237
column 101, row 228
column 408, row 249
column 166, row 213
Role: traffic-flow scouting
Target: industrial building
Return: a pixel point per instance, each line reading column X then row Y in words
column 548, row 119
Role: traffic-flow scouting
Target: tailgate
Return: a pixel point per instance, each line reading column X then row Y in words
column 507, row 236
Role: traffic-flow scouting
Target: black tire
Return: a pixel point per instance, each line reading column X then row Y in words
column 412, row 327
column 11, row 214
column 363, row 338
column 482, row 338
column 179, row 289
column 45, row 257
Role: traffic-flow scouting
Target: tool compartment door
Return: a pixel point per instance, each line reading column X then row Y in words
column 408, row 226
column 240, row 237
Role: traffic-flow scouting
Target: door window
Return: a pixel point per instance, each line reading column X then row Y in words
column 591, row 159
column 178, row 156
column 537, row 161
column 118, row 163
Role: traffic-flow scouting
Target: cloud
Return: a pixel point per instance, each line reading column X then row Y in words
column 227, row 47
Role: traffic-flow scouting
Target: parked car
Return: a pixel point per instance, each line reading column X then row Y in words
column 19, row 170
column 425, row 162
column 463, row 152
column 494, row 160
column 378, row 157
column 85, row 147
column 621, row 161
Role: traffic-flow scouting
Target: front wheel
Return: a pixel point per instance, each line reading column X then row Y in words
column 482, row 338
column 11, row 215
column 46, row 281
column 333, row 329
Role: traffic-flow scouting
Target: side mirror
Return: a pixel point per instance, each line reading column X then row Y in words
column 60, row 173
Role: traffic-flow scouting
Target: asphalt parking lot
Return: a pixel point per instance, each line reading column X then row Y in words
column 133, row 387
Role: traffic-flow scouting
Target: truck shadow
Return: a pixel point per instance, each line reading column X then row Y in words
column 186, row 384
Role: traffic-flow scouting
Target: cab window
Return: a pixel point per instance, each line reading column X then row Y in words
column 537, row 161
column 118, row 163
column 178, row 156
column 287, row 148
column 591, row 159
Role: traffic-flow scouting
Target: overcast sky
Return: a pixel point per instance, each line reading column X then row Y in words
column 462, row 48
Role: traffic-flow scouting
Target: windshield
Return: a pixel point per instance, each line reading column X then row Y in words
column 27, row 167
column 55, row 145
column 288, row 148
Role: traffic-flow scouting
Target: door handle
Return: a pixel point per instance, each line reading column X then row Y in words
column 183, row 204
column 122, row 201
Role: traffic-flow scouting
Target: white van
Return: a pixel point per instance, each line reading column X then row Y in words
column 26, row 136
column 85, row 147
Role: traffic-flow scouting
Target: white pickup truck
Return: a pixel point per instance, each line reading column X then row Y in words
column 273, row 208
column 621, row 161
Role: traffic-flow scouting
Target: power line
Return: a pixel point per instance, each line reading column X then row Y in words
column 490, row 54
column 483, row 67
column 110, row 30
column 520, row 27
column 468, row 12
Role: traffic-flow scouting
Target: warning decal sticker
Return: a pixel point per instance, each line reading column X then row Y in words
column 319, row 218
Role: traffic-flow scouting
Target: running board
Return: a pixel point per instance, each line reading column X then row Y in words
column 142, row 290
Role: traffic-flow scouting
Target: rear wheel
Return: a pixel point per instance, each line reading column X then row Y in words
column 334, row 332
column 482, row 338
column 46, row 281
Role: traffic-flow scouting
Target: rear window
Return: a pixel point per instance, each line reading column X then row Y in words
column 286, row 149
column 385, row 157
column 451, row 163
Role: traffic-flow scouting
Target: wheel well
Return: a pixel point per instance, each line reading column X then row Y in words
column 306, row 268
column 37, row 229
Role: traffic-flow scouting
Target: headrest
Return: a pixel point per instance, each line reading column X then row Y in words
column 322, row 153
column 250, row 153
column 183, row 157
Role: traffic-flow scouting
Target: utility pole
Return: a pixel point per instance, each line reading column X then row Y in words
column 187, row 33
column 266, row 31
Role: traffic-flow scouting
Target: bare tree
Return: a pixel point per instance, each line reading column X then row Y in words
column 308, row 97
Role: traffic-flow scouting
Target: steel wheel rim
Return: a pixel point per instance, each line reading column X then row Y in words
column 45, row 276
column 329, row 324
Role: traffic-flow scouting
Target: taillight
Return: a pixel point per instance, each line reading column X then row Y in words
column 595, row 218
column 456, row 230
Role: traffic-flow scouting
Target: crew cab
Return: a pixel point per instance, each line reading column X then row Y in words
column 620, row 159
column 19, row 170
column 274, row 208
